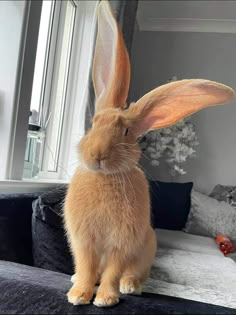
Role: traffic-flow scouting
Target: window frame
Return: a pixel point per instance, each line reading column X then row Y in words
column 22, row 97
column 85, row 16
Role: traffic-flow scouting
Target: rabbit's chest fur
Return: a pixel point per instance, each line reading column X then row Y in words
column 108, row 209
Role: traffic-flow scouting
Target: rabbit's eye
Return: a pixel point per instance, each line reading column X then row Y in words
column 126, row 131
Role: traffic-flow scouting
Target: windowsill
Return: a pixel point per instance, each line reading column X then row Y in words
column 29, row 186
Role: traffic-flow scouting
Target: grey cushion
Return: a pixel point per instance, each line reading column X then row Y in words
column 225, row 193
column 209, row 217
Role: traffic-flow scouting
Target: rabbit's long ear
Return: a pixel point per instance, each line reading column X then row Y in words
column 111, row 68
column 169, row 103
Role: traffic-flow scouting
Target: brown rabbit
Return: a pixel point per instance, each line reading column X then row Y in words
column 107, row 207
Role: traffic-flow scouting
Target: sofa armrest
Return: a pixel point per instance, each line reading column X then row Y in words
column 15, row 227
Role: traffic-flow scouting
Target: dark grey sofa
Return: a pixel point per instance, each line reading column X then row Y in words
column 32, row 242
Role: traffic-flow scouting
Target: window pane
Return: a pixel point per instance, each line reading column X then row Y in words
column 41, row 61
column 50, row 86
column 60, row 85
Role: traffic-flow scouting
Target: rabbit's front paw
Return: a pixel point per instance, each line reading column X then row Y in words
column 78, row 297
column 130, row 285
column 106, row 300
column 73, row 278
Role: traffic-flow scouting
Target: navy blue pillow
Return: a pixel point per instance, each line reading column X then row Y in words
column 170, row 204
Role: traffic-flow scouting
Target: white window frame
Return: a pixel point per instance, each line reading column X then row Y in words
column 85, row 27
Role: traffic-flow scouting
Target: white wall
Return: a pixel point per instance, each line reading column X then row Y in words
column 156, row 57
column 11, row 21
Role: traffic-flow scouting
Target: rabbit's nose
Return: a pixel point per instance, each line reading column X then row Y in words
column 98, row 156
column 101, row 158
column 100, row 161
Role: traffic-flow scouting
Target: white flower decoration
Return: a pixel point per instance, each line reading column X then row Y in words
column 176, row 144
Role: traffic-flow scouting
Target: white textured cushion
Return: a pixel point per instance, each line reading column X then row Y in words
column 187, row 242
column 209, row 217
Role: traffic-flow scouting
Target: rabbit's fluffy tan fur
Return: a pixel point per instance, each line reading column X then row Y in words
column 107, row 207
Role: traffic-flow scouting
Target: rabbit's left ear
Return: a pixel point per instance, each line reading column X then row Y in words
column 169, row 103
column 111, row 68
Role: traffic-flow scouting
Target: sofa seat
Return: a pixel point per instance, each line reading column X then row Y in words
column 188, row 242
column 192, row 267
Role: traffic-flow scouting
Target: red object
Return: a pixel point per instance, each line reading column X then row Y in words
column 225, row 244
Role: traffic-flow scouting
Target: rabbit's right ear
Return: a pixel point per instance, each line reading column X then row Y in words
column 111, row 67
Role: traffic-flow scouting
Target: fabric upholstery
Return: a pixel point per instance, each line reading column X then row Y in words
column 29, row 290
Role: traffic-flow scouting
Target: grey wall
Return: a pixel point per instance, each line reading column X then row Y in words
column 156, row 57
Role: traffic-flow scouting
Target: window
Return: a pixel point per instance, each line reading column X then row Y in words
column 49, row 92
column 48, row 119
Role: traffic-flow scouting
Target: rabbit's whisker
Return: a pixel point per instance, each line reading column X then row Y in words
column 123, row 174
column 128, row 144
column 121, row 178
column 132, row 187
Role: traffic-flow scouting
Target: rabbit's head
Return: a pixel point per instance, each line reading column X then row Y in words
column 110, row 145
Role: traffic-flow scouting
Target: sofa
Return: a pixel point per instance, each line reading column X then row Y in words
column 36, row 265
